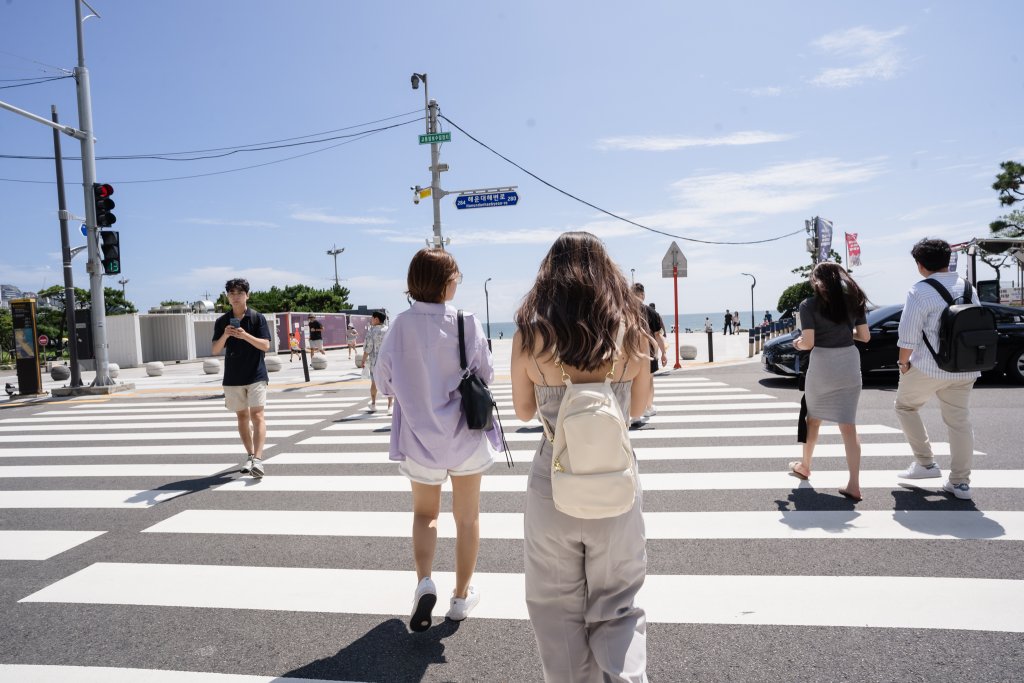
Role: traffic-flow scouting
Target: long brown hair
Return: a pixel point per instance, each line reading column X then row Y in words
column 576, row 304
column 840, row 299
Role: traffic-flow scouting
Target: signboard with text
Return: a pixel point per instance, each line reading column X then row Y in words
column 432, row 138
column 485, row 199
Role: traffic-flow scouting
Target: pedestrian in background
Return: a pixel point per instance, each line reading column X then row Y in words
column 244, row 337
column 830, row 321
column 293, row 346
column 371, row 348
column 736, row 321
column 582, row 575
column 921, row 378
column 419, row 364
column 351, row 335
column 656, row 328
column 316, row 337
column 727, row 328
column 707, row 325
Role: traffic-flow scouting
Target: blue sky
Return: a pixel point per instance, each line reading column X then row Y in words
column 726, row 121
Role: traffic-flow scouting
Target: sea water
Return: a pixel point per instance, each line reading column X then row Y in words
column 691, row 322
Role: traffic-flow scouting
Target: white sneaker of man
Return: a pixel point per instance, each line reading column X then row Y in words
column 961, row 491
column 461, row 607
column 919, row 471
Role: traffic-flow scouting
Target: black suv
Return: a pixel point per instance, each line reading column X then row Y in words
column 881, row 353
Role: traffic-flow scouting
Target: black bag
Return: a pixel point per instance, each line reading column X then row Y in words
column 967, row 334
column 477, row 401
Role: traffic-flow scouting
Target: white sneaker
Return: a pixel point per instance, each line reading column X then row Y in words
column 961, row 491
column 919, row 471
column 461, row 607
column 423, row 602
column 246, row 465
column 257, row 468
column 651, row 412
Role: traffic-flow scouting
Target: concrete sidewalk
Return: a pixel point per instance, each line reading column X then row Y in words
column 186, row 378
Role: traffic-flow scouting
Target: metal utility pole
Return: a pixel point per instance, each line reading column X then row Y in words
column 487, row 305
column 334, row 252
column 123, row 281
column 436, row 193
column 65, row 248
column 752, row 285
column 94, row 267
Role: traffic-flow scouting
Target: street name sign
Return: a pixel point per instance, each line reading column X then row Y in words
column 485, row 199
column 431, row 138
column 673, row 257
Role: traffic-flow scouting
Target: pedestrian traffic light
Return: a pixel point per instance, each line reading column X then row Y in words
column 110, row 252
column 104, row 205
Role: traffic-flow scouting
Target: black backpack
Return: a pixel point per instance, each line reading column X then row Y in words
column 967, row 334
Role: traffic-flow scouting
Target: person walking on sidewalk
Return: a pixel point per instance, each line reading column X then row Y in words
column 736, row 321
column 921, row 378
column 582, row 575
column 371, row 348
column 244, row 336
column 316, row 337
column 419, row 364
column 830, row 321
column 727, row 328
column 656, row 327
column 351, row 335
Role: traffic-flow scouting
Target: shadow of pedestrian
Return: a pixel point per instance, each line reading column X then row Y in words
column 388, row 652
column 190, row 486
column 956, row 519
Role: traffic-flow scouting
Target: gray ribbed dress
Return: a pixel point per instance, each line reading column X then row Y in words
column 833, row 384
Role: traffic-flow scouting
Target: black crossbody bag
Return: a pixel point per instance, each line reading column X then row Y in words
column 477, row 400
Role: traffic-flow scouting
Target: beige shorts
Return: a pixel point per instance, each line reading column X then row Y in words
column 478, row 463
column 237, row 399
column 316, row 344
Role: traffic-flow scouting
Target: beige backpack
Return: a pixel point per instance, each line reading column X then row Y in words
column 593, row 470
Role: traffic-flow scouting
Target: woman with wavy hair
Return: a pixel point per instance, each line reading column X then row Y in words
column 582, row 575
column 830, row 321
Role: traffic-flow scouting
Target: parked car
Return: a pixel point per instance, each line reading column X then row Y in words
column 881, row 353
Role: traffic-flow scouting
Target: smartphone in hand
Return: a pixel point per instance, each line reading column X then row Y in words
column 235, row 322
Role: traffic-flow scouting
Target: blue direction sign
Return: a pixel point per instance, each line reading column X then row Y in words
column 85, row 230
column 484, row 199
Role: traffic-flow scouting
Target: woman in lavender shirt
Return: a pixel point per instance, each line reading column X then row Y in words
column 419, row 365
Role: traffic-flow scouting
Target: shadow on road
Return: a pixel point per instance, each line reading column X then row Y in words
column 388, row 652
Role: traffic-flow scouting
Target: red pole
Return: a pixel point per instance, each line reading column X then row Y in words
column 675, row 288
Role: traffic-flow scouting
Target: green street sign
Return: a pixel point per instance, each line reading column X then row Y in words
column 430, row 138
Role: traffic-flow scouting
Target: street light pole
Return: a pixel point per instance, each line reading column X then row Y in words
column 123, row 281
column 65, row 247
column 632, row 276
column 487, row 306
column 334, row 252
column 752, row 285
column 435, row 168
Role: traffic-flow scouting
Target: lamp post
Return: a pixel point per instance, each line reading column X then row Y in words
column 752, row 285
column 632, row 276
column 123, row 281
column 334, row 252
column 487, row 307
column 436, row 193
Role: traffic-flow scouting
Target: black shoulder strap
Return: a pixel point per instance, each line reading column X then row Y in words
column 462, row 341
column 943, row 292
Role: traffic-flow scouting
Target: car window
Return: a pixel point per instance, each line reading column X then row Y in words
column 1008, row 316
column 877, row 315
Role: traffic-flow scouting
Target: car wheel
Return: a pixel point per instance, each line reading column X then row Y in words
column 1015, row 369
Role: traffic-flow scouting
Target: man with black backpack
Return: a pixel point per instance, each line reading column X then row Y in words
column 943, row 348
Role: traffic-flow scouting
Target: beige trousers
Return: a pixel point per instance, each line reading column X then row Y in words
column 582, row 576
column 954, row 396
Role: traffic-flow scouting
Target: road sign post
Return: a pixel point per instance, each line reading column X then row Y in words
column 674, row 266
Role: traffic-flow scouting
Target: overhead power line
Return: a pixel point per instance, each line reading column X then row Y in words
column 605, row 211
column 31, row 81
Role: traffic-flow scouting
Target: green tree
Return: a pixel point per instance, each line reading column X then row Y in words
column 792, row 296
column 294, row 298
column 1008, row 185
column 6, row 335
column 172, row 302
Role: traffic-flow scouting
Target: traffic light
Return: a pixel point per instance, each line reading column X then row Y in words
column 104, row 204
column 110, row 252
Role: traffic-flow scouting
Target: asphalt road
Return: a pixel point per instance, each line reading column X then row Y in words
column 880, row 591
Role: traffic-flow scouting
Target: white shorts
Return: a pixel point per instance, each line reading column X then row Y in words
column 316, row 344
column 237, row 399
column 478, row 463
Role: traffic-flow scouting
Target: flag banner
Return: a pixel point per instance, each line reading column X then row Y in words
column 823, row 230
column 852, row 249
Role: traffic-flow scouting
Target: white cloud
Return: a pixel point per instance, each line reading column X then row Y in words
column 763, row 91
column 316, row 216
column 875, row 54
column 233, row 224
column 214, row 277
column 652, row 143
column 923, row 211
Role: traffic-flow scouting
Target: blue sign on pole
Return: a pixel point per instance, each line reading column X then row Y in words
column 485, row 199
column 85, row 230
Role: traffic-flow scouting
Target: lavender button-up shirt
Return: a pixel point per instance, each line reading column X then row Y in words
column 418, row 364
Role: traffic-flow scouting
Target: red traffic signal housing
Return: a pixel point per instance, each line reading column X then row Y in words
column 104, row 204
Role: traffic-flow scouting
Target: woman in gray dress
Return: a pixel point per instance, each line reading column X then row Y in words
column 830, row 322
column 371, row 347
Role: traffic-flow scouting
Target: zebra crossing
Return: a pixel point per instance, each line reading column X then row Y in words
column 172, row 526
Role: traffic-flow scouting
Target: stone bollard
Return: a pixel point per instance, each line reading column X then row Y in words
column 273, row 363
column 211, row 366
column 688, row 352
column 750, row 344
column 154, row 368
column 60, row 373
column 113, row 369
column 711, row 346
column 359, row 360
column 318, row 363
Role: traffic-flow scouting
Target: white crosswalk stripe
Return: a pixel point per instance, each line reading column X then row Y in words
column 709, row 440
